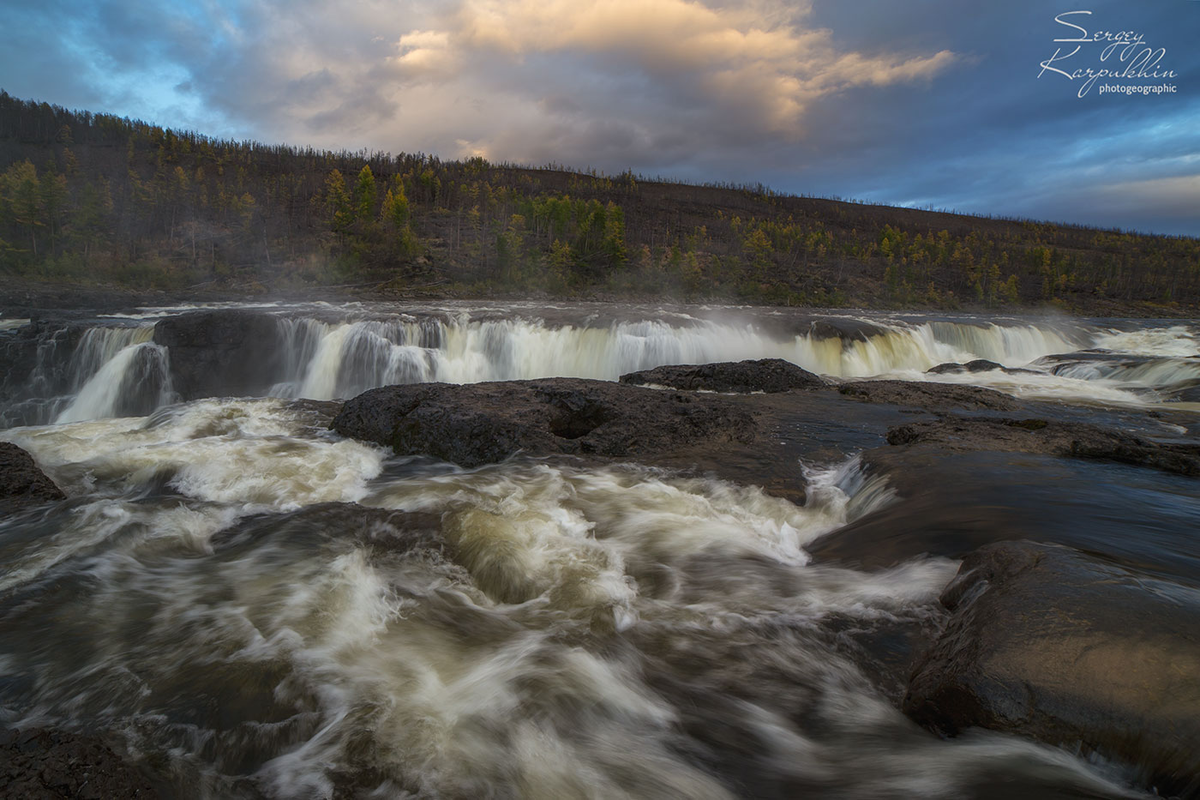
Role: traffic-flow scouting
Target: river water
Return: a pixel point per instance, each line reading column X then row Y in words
column 533, row 629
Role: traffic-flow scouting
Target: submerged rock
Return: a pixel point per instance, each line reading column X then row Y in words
column 978, row 365
column 931, row 396
column 221, row 353
column 22, row 483
column 39, row 764
column 488, row 422
column 1053, row 437
column 1047, row 643
column 743, row 377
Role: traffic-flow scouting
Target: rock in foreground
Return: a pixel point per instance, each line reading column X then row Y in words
column 743, row 377
column 42, row 765
column 486, row 423
column 1047, row 643
column 22, row 484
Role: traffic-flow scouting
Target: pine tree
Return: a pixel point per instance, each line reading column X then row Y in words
column 364, row 195
column 337, row 203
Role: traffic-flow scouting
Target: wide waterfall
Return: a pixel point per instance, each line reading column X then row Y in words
column 110, row 368
column 331, row 360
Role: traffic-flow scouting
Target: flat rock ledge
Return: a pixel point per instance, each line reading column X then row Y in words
column 1048, row 643
column 770, row 375
column 1051, row 437
column 930, row 396
column 485, row 423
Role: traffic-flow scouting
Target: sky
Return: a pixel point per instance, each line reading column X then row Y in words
column 924, row 103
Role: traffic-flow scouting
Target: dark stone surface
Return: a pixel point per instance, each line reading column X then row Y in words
column 950, row 502
column 978, row 365
column 488, row 422
column 848, row 330
column 221, row 353
column 22, row 483
column 34, row 362
column 1048, row 643
column 1054, row 437
column 743, row 377
column 1188, row 395
column 48, row 764
column 931, row 396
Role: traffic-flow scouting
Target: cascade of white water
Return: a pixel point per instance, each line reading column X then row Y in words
column 136, row 379
column 339, row 360
column 118, row 370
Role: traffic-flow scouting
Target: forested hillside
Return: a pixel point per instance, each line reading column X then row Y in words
column 95, row 199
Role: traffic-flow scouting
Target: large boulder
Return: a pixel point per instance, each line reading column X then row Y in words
column 488, row 422
column 1047, row 643
column 222, row 353
column 22, row 484
column 743, row 377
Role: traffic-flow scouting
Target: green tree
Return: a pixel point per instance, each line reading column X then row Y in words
column 395, row 207
column 337, row 203
column 23, row 200
column 364, row 195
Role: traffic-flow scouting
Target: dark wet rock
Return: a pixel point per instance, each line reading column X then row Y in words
column 1047, row 643
column 932, row 396
column 221, row 353
column 743, row 377
column 1188, row 395
column 978, row 365
column 948, row 503
column 22, row 483
column 1053, row 437
column 34, row 363
column 40, row 764
column 488, row 422
column 848, row 330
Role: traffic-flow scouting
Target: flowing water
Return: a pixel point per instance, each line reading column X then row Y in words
column 208, row 595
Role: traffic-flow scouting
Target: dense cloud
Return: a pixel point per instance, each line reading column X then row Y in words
column 923, row 102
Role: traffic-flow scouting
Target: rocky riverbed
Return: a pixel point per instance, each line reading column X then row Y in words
column 770, row 582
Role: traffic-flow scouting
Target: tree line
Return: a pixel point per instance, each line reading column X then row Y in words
column 94, row 198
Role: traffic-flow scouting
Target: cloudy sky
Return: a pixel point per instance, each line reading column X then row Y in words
column 913, row 102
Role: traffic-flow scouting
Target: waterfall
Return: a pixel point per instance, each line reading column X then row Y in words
column 75, row 373
column 114, row 370
column 330, row 360
column 132, row 382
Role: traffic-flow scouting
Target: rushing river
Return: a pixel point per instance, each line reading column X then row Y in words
column 528, row 629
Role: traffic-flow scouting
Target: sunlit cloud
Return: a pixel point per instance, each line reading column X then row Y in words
column 728, row 59
column 895, row 102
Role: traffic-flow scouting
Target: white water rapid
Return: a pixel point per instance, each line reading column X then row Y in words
column 515, row 631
